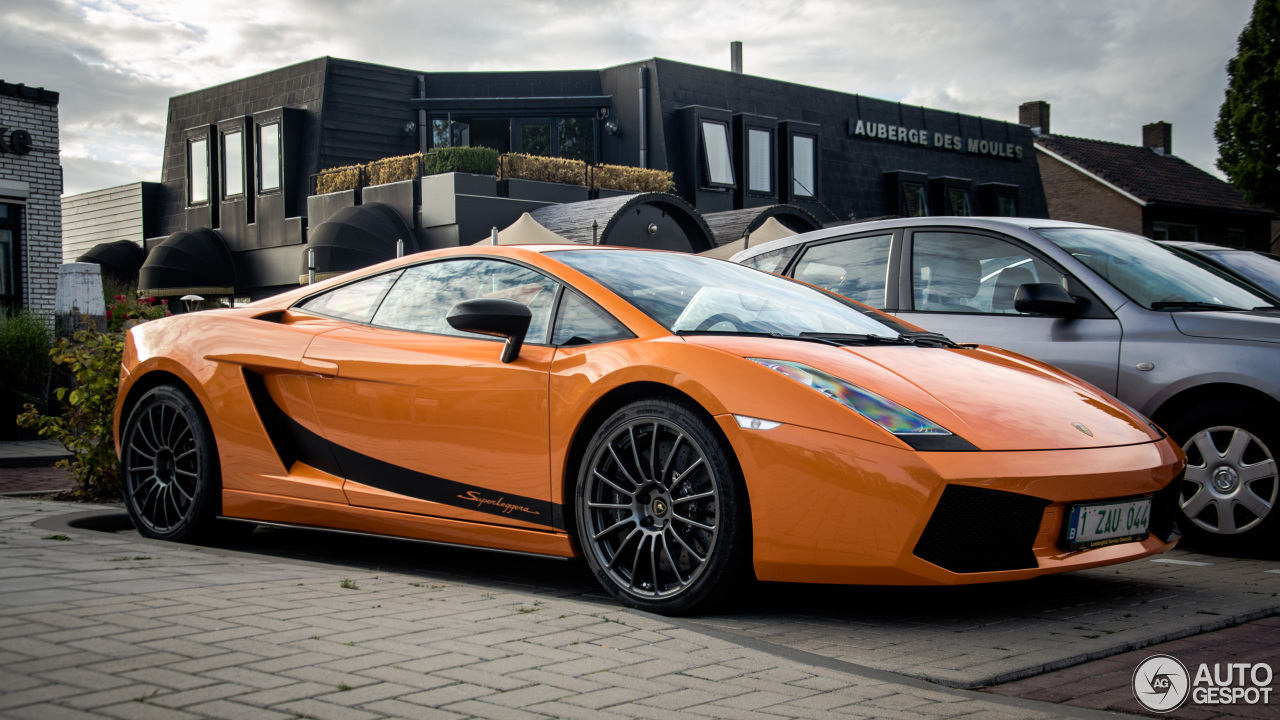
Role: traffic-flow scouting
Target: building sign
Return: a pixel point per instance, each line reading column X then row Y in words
column 17, row 142
column 935, row 140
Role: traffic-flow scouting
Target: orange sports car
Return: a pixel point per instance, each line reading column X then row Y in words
column 682, row 422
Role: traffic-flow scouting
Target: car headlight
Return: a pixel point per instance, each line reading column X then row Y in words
column 912, row 428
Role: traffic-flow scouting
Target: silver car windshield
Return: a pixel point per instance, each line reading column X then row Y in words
column 687, row 293
column 1150, row 275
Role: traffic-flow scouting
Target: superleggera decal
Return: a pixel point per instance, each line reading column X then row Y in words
column 295, row 443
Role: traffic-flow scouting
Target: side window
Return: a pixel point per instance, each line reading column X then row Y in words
column 355, row 302
column 773, row 261
column 963, row 273
column 579, row 322
column 854, row 268
column 426, row 293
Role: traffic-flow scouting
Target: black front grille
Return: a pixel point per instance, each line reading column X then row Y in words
column 979, row 530
column 1164, row 511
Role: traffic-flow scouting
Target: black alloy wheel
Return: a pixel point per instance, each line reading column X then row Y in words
column 661, row 510
column 169, row 467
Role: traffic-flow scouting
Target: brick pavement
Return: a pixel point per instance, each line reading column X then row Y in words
column 979, row 635
column 32, row 480
column 102, row 625
column 1106, row 684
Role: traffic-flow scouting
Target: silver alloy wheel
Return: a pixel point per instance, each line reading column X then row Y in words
column 162, row 466
column 652, row 508
column 1235, row 472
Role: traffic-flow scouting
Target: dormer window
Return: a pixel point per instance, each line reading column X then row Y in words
column 715, row 146
column 913, row 200
column 198, row 171
column 803, row 166
column 269, row 157
column 232, row 164
column 760, row 160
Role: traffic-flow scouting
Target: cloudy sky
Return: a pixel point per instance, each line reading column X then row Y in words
column 1106, row 66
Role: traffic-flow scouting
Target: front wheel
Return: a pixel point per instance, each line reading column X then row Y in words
column 661, row 511
column 1231, row 485
column 169, row 467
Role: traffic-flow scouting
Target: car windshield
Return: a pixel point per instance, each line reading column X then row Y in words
column 1261, row 269
column 687, row 293
column 1152, row 276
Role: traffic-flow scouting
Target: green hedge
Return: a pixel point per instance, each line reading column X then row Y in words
column 478, row 160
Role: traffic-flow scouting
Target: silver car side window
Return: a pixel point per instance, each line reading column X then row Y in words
column 856, row 268
column 964, row 273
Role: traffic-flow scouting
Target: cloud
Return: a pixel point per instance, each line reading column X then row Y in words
column 1107, row 66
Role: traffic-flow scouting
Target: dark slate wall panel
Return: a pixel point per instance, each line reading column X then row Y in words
column 851, row 169
column 300, row 86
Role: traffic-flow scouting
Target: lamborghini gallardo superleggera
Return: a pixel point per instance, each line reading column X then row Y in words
column 683, row 423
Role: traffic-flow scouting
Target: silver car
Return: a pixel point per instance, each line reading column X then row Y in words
column 1196, row 352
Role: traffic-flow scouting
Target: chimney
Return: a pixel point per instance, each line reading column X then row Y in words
column 735, row 56
column 1035, row 114
column 1158, row 136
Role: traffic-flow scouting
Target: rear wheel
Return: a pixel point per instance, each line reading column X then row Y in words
column 661, row 512
column 1231, row 486
column 169, row 467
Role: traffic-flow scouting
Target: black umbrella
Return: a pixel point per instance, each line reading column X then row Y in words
column 357, row 237
column 188, row 263
column 122, row 258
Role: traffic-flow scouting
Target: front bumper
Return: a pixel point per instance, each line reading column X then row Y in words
column 827, row 508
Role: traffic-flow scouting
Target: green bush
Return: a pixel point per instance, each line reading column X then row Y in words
column 24, row 352
column 83, row 421
column 478, row 160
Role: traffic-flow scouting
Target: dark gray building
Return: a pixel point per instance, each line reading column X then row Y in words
column 239, row 157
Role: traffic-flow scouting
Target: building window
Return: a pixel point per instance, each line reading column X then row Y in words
column 198, row 172
column 715, row 147
column 1006, row 206
column 759, row 160
column 447, row 132
column 9, row 267
column 269, row 157
column 232, row 164
column 958, row 202
column 803, row 153
column 1174, row 231
column 914, row 200
column 576, row 138
column 535, row 138
column 1236, row 237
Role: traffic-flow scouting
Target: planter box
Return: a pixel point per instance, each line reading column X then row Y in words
column 611, row 193
column 402, row 196
column 322, row 207
column 517, row 189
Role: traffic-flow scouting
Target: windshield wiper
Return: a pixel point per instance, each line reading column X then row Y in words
column 1191, row 305
column 749, row 333
column 920, row 339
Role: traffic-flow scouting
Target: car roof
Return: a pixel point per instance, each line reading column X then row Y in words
column 982, row 223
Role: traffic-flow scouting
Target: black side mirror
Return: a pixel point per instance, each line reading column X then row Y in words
column 1044, row 299
column 501, row 318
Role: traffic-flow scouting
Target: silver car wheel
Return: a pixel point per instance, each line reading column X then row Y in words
column 1231, row 480
column 162, row 466
column 652, row 508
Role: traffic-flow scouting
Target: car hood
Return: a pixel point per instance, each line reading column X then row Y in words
column 1259, row 326
column 995, row 399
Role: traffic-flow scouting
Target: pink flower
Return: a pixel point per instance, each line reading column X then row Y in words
column 108, row 314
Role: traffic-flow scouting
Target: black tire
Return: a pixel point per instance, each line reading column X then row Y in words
column 169, row 473
column 662, row 512
column 1227, row 501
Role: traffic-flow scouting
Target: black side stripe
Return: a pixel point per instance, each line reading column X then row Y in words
column 295, row 443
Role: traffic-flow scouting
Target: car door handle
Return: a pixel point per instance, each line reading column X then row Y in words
column 318, row 367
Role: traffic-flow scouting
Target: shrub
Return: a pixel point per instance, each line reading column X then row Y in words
column 129, row 309
column 632, row 179
column 338, row 178
column 478, row 160
column 544, row 169
column 24, row 353
column 393, row 169
column 83, row 420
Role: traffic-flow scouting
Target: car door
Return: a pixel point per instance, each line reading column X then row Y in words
column 961, row 283
column 426, row 419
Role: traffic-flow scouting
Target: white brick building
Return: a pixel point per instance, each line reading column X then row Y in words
column 30, row 198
